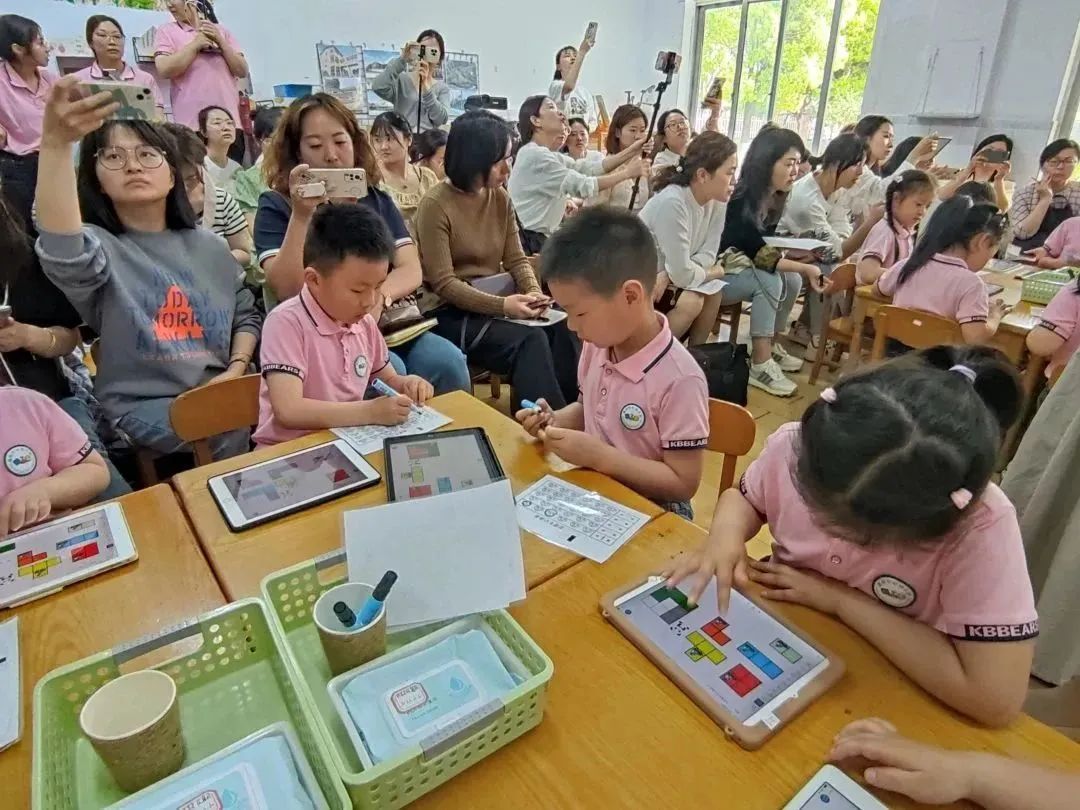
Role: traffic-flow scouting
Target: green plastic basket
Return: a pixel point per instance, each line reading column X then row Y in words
column 234, row 684
column 1040, row 288
column 291, row 594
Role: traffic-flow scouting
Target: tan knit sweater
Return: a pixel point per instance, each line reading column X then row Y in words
column 463, row 236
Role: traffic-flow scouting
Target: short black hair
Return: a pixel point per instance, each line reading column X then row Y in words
column 16, row 30
column 1060, row 145
column 190, row 148
column 343, row 230
column 431, row 32
column 999, row 137
column 477, row 141
column 266, row 120
column 204, row 115
column 604, row 247
column 391, row 124
column 426, row 144
column 93, row 22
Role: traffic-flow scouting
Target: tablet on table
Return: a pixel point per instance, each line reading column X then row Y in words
column 832, row 789
column 437, row 463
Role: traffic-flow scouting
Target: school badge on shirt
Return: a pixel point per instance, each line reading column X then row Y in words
column 20, row 460
column 893, row 591
column 360, row 366
column 632, row 417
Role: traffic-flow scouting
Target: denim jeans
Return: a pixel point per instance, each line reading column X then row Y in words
column 435, row 359
column 771, row 294
column 148, row 425
column 78, row 410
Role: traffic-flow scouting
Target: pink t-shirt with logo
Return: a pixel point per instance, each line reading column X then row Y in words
column 654, row 400
column 886, row 244
column 972, row 584
column 22, row 110
column 37, row 439
column 944, row 286
column 207, row 81
column 334, row 362
column 130, row 73
column 1061, row 316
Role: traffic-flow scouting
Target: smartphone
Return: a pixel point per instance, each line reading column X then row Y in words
column 544, row 304
column 994, row 155
column 5, row 315
column 668, row 62
column 590, row 32
column 137, row 103
column 339, row 183
column 430, row 54
column 716, row 87
column 942, row 142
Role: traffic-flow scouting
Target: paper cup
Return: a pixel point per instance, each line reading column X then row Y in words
column 133, row 723
column 348, row 649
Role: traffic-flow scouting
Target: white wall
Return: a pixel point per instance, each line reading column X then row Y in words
column 1033, row 55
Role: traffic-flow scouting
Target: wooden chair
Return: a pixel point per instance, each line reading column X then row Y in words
column 838, row 330
column 201, row 413
column 731, row 432
column 913, row 328
column 731, row 314
column 478, row 376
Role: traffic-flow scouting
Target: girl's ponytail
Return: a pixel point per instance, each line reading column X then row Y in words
column 955, row 222
column 993, row 378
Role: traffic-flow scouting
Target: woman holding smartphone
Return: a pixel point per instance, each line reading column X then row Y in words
column 570, row 96
column 411, row 82
column 990, row 163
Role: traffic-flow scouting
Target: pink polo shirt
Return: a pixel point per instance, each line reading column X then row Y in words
column 207, row 81
column 1064, row 241
column 130, row 73
column 22, row 110
column 886, row 244
column 334, row 362
column 945, row 286
column 654, row 400
column 972, row 584
column 37, row 439
column 1061, row 317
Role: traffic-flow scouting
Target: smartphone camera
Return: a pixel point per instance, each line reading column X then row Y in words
column 668, row 62
column 430, row 54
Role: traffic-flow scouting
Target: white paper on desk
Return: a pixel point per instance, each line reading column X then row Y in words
column 10, row 688
column 574, row 518
column 454, row 554
column 368, row 439
column 792, row 243
column 710, row 287
column 549, row 318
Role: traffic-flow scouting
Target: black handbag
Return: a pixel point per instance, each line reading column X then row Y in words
column 727, row 369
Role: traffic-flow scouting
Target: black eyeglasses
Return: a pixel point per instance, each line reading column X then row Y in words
column 115, row 158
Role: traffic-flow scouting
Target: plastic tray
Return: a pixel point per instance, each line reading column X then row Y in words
column 291, row 593
column 236, row 683
column 1040, row 288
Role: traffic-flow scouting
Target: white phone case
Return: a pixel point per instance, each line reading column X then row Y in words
column 136, row 102
column 340, row 182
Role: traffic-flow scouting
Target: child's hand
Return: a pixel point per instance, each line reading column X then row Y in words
column 726, row 561
column 387, row 410
column 24, row 507
column 419, row 389
column 574, row 446
column 1050, row 262
column 999, row 309
column 534, row 421
column 787, row 584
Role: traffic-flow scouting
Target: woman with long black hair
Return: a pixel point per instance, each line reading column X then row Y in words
column 869, row 190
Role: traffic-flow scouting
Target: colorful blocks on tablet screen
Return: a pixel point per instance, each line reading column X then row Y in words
column 694, row 654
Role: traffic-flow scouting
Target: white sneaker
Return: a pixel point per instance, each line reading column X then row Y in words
column 769, row 377
column 785, row 360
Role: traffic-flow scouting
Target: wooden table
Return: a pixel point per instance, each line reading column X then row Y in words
column 241, row 560
column 618, row 733
column 169, row 582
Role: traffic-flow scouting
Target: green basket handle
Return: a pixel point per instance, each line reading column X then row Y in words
column 456, row 732
column 329, row 559
column 130, row 650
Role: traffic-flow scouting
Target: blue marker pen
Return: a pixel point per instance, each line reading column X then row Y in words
column 387, row 391
column 530, row 405
column 374, row 603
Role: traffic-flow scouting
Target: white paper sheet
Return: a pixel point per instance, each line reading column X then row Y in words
column 791, row 243
column 550, row 318
column 368, row 439
column 710, row 287
column 454, row 554
column 574, row 518
column 10, row 688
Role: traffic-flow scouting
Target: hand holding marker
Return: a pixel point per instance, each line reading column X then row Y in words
column 541, row 409
column 387, row 391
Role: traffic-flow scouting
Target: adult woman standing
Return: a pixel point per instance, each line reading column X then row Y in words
column 628, row 127
column 543, row 178
column 570, row 96
column 406, row 183
column 218, row 131
column 428, row 151
column 758, row 272
column 106, row 39
column 1044, row 204
column 673, row 134
column 982, row 170
column 24, row 87
column 319, row 132
column 869, row 190
column 468, row 233
column 410, row 83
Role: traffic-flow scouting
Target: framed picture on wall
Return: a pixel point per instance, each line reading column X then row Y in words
column 341, row 73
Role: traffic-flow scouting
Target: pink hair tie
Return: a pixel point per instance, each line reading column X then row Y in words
column 961, row 499
column 829, row 395
column 964, row 371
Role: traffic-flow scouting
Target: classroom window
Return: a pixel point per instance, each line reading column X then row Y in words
column 800, row 63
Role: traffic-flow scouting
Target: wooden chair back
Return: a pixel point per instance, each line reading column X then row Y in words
column 731, row 433
column 913, row 328
column 1055, row 376
column 842, row 280
column 201, row 413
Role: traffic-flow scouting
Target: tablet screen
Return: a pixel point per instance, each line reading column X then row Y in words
column 438, row 463
column 286, row 483
column 745, row 660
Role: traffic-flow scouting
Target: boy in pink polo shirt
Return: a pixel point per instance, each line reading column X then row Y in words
column 321, row 348
column 48, row 463
column 642, row 416
column 883, row 515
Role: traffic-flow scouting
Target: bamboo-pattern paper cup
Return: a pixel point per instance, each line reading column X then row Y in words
column 347, row 649
column 133, row 723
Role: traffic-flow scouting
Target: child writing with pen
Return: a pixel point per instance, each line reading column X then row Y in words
column 322, row 348
column 642, row 416
column 883, row 515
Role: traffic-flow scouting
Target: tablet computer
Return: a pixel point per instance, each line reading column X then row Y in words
column 832, row 789
column 437, row 463
column 45, row 558
column 749, row 670
column 290, row 483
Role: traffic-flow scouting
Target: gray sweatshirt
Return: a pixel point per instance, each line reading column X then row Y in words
column 396, row 85
column 166, row 306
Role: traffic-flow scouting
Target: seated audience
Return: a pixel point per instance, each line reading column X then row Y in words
column 628, row 127
column 202, row 62
column 686, row 217
column 981, row 170
column 576, row 144
column 891, row 240
column 889, row 472
column 1057, row 336
column 642, row 416
column 428, row 151
column 218, row 131
column 319, row 132
column 467, row 234
column 163, row 295
column 543, row 178
column 1038, row 208
column 49, row 465
column 869, row 190
column 566, row 90
column 406, row 183
column 321, row 348
column 942, row 273
column 250, row 183
column 673, row 135
column 410, row 82
column 106, row 39
column 1062, row 246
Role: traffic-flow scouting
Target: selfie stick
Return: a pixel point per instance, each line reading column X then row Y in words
column 660, row 88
